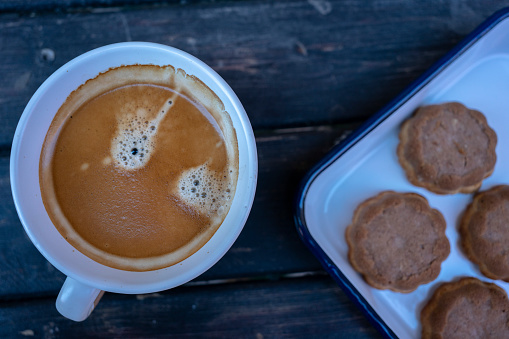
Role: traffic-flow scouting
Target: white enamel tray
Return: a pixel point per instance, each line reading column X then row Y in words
column 475, row 73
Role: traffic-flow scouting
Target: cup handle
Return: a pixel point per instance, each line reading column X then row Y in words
column 76, row 300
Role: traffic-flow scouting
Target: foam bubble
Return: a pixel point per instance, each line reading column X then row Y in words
column 134, row 142
column 205, row 190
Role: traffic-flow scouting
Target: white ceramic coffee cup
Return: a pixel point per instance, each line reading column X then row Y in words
column 86, row 279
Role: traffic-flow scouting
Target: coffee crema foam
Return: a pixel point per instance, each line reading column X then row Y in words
column 200, row 188
column 139, row 167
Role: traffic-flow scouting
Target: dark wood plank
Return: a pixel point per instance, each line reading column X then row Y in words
column 292, row 63
column 268, row 246
column 297, row 308
column 32, row 6
column 21, row 6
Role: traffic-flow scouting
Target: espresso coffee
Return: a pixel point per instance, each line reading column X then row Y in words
column 139, row 167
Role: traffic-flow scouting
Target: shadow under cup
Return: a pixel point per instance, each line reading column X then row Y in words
column 24, row 170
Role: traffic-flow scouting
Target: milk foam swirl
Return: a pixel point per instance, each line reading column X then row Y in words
column 203, row 189
column 135, row 142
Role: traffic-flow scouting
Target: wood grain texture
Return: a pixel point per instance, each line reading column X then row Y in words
column 292, row 63
column 298, row 308
column 32, row 6
column 267, row 247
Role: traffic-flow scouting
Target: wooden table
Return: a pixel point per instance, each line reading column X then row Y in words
column 307, row 72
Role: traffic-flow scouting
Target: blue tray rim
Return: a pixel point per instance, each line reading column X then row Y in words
column 337, row 151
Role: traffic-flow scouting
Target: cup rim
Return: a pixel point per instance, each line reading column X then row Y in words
column 251, row 168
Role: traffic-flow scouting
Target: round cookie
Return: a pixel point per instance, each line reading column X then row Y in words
column 467, row 308
column 397, row 241
column 484, row 231
column 447, row 148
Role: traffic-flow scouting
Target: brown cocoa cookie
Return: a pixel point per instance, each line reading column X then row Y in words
column 484, row 230
column 397, row 241
column 447, row 148
column 467, row 308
